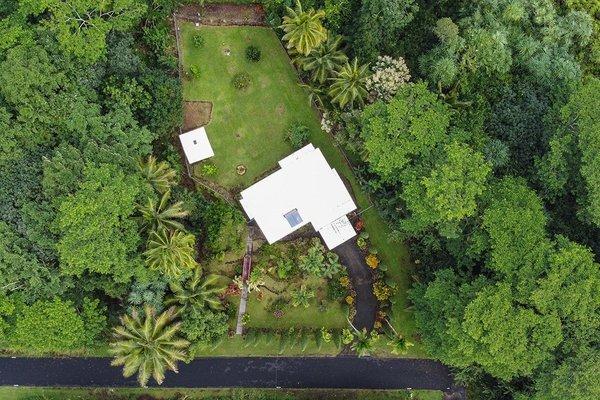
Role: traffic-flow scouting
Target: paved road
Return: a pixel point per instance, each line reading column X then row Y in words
column 258, row 372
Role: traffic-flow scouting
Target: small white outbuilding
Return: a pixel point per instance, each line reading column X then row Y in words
column 196, row 145
column 304, row 190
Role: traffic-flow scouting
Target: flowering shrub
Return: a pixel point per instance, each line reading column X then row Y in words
column 326, row 123
column 388, row 75
column 372, row 261
column 382, row 291
column 344, row 281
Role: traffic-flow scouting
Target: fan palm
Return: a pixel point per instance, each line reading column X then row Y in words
column 158, row 174
column 171, row 252
column 199, row 292
column 323, row 61
column 349, row 85
column 148, row 346
column 162, row 215
column 303, row 29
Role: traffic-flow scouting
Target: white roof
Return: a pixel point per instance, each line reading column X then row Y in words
column 305, row 190
column 337, row 232
column 196, row 145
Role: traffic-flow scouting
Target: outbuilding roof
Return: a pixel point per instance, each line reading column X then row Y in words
column 196, row 145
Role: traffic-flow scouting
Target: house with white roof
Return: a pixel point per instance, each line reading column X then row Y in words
column 305, row 190
column 196, row 145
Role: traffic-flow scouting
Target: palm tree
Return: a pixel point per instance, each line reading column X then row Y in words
column 315, row 94
column 158, row 174
column 397, row 342
column 349, row 85
column 363, row 341
column 161, row 215
column 303, row 29
column 198, row 292
column 323, row 61
column 149, row 346
column 172, row 252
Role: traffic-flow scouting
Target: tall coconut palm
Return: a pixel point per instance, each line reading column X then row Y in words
column 324, row 60
column 148, row 346
column 303, row 29
column 199, row 292
column 158, row 174
column 171, row 252
column 350, row 85
column 162, row 215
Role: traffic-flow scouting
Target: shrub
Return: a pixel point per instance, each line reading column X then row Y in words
column 195, row 71
column 347, row 336
column 241, row 80
column 208, row 169
column 335, row 290
column 382, row 291
column 198, row 40
column 253, row 53
column 298, row 135
column 372, row 261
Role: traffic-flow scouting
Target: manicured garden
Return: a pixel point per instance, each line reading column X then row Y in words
column 249, row 127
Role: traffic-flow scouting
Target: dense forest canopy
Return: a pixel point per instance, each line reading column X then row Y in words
column 473, row 124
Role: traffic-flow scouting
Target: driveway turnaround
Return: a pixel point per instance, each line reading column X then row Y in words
column 250, row 372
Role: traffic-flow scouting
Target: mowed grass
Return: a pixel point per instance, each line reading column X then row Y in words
column 23, row 393
column 247, row 126
column 261, row 115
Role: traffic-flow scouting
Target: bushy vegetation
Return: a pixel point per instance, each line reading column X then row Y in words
column 474, row 133
column 472, row 124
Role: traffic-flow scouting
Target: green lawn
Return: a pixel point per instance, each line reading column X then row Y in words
column 26, row 393
column 247, row 127
column 260, row 116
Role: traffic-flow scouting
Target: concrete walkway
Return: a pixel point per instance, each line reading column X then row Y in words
column 253, row 372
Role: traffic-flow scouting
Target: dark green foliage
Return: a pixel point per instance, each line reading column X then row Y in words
column 198, row 40
column 49, row 326
column 297, row 135
column 253, row 53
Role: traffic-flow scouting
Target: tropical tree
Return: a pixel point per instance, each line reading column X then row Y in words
column 172, row 252
column 397, row 342
column 324, row 60
column 158, row 174
column 199, row 292
column 363, row 341
column 304, row 30
column 350, row 85
column 162, row 215
column 148, row 346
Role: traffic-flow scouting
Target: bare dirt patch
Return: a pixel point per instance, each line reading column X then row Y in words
column 197, row 113
column 224, row 14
